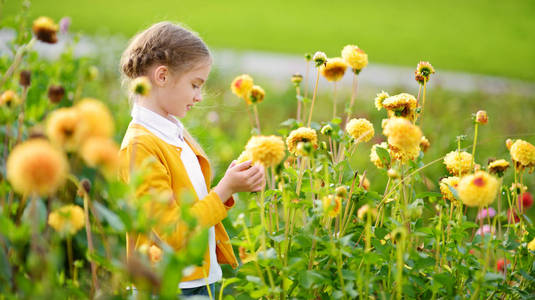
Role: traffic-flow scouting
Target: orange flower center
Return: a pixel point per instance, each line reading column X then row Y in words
column 479, row 181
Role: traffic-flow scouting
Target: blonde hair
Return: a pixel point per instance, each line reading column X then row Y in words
column 168, row 44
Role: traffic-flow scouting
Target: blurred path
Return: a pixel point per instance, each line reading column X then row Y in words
column 278, row 68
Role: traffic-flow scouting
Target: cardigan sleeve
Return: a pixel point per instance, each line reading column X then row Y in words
column 162, row 204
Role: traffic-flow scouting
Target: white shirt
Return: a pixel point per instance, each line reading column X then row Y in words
column 171, row 132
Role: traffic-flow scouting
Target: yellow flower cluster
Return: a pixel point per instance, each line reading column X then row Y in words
column 243, row 87
column 355, row 57
column 331, row 205
column 445, row 183
column 100, row 152
column 403, row 135
column 498, row 166
column 10, row 99
column 67, row 220
column 267, row 150
column 523, row 154
column 401, row 105
column 458, row 163
column 301, row 135
column 379, row 98
column 36, row 167
column 360, row 129
column 423, row 70
column 257, row 94
column 334, row 69
column 63, row 128
column 478, row 189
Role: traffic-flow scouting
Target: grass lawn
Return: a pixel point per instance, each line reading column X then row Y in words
column 489, row 37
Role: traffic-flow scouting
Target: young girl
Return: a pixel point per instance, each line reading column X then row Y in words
column 177, row 63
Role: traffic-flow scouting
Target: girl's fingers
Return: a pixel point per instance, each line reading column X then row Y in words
column 256, row 178
column 243, row 166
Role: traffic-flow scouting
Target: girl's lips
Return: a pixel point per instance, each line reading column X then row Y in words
column 189, row 106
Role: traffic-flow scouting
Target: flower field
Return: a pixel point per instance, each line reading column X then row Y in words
column 405, row 195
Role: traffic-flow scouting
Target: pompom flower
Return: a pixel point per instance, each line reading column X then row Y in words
column 35, row 166
column 403, row 135
column 301, row 135
column 486, row 213
column 141, row 86
column 319, row 58
column 498, row 167
column 67, row 220
column 45, row 30
column 334, row 69
column 256, row 94
column 360, row 129
column 55, row 93
column 63, row 128
column 458, row 163
column 478, row 189
column 242, row 85
column 244, row 156
column 95, row 117
column 423, row 71
column 523, row 154
column 355, row 57
column 99, row 152
column 376, row 159
column 482, row 117
column 445, row 184
column 267, row 150
column 331, row 205
column 402, row 105
column 379, row 98
column 10, row 99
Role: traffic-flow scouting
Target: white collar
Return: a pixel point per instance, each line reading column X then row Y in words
column 158, row 124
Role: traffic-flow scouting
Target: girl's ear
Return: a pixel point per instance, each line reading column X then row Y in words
column 161, row 75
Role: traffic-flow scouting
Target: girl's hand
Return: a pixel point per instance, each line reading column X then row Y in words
column 241, row 178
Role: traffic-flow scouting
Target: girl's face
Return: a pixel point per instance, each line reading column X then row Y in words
column 176, row 94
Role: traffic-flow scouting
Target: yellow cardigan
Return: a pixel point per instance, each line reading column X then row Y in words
column 166, row 173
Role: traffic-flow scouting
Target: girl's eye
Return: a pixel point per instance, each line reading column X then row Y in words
column 195, row 86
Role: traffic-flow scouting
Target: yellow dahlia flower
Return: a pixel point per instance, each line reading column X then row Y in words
column 241, row 86
column 99, row 152
column 423, row 71
column 379, row 98
column 301, row 135
column 341, row 191
column 360, row 129
column 523, row 153
column 498, row 166
column 458, row 163
column 402, row 134
column 482, row 117
column 267, row 150
column 10, row 99
column 141, row 86
column 256, row 94
column 244, row 156
column 478, row 189
column 334, row 69
column 63, row 128
column 531, row 245
column 424, row 144
column 376, row 159
column 403, row 105
column 404, row 155
column 355, row 57
column 319, row 58
column 96, row 118
column 35, row 166
column 45, row 30
column 331, row 205
column 452, row 181
column 67, row 220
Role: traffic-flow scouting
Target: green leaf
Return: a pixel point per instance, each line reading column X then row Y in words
column 383, row 155
column 110, row 217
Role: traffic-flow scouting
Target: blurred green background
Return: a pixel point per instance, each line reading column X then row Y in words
column 481, row 36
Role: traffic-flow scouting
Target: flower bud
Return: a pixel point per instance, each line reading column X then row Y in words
column 326, row 130
column 319, row 58
column 141, row 86
column 393, row 174
column 64, row 24
column 297, row 78
column 256, row 94
column 10, row 99
column 92, row 73
column 308, row 56
column 25, row 78
column 341, row 191
column 55, row 93
column 45, row 30
column 481, row 117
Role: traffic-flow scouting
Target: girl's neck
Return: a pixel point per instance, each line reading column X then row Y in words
column 151, row 105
